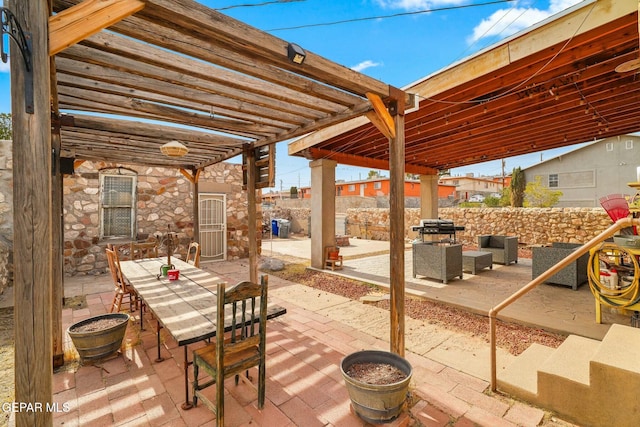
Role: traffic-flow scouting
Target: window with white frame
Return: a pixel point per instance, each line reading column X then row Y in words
column 377, row 185
column 629, row 144
column 553, row 180
column 117, row 203
column 352, row 187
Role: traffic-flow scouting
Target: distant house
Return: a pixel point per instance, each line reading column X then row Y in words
column 469, row 185
column 592, row 171
column 379, row 187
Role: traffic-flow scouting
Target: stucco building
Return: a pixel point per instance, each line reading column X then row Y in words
column 592, row 171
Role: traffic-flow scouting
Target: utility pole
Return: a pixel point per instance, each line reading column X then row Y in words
column 503, row 165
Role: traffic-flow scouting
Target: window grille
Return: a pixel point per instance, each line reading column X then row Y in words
column 553, row 180
column 117, row 205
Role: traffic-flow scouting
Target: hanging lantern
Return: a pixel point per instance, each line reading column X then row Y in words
column 174, row 149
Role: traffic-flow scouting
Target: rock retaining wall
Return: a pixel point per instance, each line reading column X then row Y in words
column 533, row 226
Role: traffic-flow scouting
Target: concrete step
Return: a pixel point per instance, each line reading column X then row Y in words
column 620, row 348
column 520, row 378
column 571, row 360
column 615, row 377
column 586, row 381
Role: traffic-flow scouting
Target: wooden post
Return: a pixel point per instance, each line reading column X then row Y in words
column 57, row 267
column 32, row 207
column 396, row 226
column 251, row 208
column 196, row 205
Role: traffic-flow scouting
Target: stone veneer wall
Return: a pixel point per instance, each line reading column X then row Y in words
column 6, row 214
column 533, row 226
column 164, row 198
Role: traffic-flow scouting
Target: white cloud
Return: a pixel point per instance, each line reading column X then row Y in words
column 365, row 64
column 505, row 22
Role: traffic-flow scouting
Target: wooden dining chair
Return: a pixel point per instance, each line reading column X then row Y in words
column 242, row 347
column 122, row 288
column 140, row 250
column 193, row 254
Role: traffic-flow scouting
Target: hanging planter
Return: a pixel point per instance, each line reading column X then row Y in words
column 99, row 336
column 378, row 384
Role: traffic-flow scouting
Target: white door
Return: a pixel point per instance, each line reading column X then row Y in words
column 213, row 226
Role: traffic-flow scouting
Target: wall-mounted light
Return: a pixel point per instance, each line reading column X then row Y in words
column 295, row 53
column 174, row 149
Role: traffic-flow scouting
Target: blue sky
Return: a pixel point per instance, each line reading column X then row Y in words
column 397, row 50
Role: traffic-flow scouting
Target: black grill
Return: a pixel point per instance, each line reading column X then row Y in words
column 437, row 226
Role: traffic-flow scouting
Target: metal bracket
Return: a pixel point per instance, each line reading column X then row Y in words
column 12, row 28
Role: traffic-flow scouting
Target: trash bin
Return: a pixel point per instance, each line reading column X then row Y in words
column 283, row 228
column 274, row 226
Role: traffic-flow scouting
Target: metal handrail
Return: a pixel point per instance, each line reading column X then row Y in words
column 618, row 225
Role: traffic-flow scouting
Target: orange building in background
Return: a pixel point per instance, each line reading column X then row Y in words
column 379, row 187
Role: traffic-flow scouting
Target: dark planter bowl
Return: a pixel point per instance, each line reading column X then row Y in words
column 372, row 402
column 95, row 345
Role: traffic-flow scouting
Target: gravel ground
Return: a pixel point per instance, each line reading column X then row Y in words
column 510, row 336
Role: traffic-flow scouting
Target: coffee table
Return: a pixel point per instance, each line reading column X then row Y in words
column 474, row 261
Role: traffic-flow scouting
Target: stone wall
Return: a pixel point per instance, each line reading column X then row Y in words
column 6, row 214
column 342, row 203
column 299, row 217
column 164, row 199
column 533, row 226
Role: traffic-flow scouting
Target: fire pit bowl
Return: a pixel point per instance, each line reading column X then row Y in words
column 99, row 336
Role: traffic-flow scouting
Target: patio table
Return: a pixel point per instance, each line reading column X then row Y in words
column 186, row 307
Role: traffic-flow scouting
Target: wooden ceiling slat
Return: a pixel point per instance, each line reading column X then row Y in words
column 228, row 82
column 166, row 113
column 149, row 130
column 75, row 81
column 150, row 77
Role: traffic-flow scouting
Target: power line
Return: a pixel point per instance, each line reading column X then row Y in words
column 266, row 3
column 395, row 15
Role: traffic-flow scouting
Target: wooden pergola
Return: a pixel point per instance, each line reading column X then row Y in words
column 114, row 80
column 568, row 80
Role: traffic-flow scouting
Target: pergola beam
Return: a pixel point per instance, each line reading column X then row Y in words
column 80, row 21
